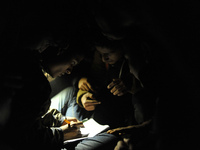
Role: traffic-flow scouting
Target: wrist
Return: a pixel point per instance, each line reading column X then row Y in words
column 79, row 97
column 65, row 127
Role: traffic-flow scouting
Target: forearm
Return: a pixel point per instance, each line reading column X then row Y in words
column 48, row 137
column 53, row 118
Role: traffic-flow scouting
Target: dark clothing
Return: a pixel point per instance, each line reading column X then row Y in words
column 26, row 127
column 65, row 102
column 114, row 110
column 144, row 103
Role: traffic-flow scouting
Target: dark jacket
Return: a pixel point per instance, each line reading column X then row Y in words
column 113, row 110
column 29, row 125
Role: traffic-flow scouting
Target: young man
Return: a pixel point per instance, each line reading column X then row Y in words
column 106, row 91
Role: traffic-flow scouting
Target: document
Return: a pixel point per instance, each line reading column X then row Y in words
column 90, row 129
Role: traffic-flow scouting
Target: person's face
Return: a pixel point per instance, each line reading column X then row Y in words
column 108, row 55
column 64, row 67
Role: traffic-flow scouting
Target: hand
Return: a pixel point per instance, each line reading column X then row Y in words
column 121, row 130
column 72, row 130
column 117, row 87
column 88, row 102
column 129, row 129
column 124, row 144
column 72, row 119
column 84, row 85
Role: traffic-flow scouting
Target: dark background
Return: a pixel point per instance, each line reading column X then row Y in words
column 176, row 26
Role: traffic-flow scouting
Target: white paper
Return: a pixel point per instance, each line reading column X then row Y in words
column 91, row 128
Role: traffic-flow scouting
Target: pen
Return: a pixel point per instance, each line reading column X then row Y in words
column 84, row 120
column 66, row 121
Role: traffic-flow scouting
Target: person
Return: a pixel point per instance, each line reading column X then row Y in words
column 162, row 73
column 108, row 85
column 65, row 101
column 140, row 135
column 30, row 123
column 59, row 65
column 38, row 127
column 126, row 27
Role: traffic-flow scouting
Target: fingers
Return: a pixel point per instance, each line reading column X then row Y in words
column 117, row 87
column 90, row 106
column 76, row 125
column 120, row 130
column 115, row 82
column 81, row 81
column 89, row 87
column 88, row 102
column 118, row 90
column 89, row 96
column 114, row 131
column 110, row 131
column 92, row 101
column 72, row 119
column 72, row 132
column 84, row 87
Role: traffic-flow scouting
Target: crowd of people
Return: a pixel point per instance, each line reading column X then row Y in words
column 138, row 74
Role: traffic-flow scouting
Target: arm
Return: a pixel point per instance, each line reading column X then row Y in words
column 79, row 96
column 72, row 130
column 130, row 129
column 84, row 85
column 127, row 83
column 59, row 130
column 86, row 100
column 119, row 88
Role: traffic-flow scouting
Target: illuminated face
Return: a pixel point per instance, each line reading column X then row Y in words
column 108, row 55
column 60, row 69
